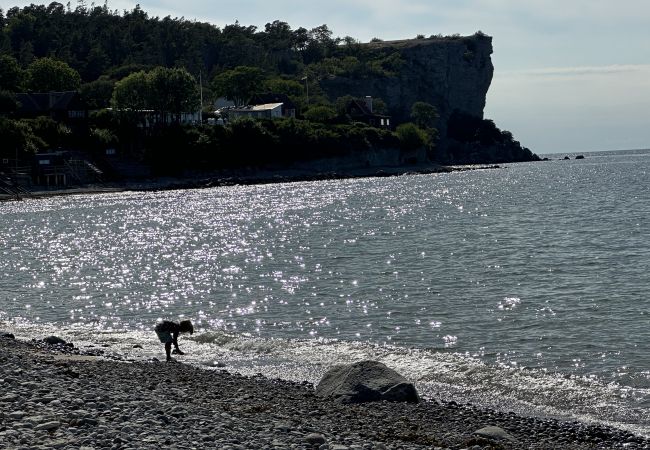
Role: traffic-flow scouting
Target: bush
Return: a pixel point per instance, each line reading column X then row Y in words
column 410, row 136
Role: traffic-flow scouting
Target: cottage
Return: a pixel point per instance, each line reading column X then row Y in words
column 65, row 106
column 288, row 107
column 362, row 111
column 265, row 111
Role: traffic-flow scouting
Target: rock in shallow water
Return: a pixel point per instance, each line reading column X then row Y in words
column 54, row 340
column 366, row 381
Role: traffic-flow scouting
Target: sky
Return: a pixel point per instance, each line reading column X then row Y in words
column 570, row 75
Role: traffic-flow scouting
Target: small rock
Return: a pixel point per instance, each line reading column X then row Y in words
column 496, row 433
column 5, row 335
column 315, row 439
column 47, row 426
column 9, row 398
column 137, row 346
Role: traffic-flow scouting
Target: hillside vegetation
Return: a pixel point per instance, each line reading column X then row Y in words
column 130, row 61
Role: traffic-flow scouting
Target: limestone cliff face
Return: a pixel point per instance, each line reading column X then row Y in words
column 450, row 73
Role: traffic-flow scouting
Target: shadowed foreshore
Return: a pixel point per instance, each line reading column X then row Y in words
column 59, row 397
column 235, row 178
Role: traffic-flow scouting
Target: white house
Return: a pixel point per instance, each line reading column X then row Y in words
column 265, row 111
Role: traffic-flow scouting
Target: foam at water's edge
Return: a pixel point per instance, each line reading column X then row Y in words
column 439, row 375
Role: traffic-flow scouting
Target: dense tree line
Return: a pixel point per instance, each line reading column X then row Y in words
column 98, row 41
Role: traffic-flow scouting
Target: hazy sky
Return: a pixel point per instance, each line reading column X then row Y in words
column 570, row 75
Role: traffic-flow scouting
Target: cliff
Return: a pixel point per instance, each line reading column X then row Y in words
column 454, row 74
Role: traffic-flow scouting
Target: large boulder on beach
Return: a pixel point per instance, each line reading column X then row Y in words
column 366, row 381
column 54, row 340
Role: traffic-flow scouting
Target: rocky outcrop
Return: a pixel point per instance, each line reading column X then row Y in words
column 452, row 73
column 366, row 381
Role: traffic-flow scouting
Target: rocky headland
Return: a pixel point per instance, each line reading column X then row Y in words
column 58, row 397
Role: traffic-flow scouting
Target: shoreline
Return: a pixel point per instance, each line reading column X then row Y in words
column 61, row 397
column 242, row 178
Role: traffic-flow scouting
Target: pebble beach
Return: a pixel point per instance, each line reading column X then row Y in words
column 58, row 397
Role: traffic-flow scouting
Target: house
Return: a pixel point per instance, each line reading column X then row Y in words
column 67, row 107
column 361, row 111
column 265, row 111
column 288, row 107
column 149, row 118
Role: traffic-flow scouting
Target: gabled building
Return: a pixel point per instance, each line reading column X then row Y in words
column 65, row 106
column 264, row 111
column 288, row 107
column 362, row 111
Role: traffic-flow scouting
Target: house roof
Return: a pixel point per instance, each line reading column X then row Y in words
column 271, row 97
column 48, row 101
column 264, row 107
column 359, row 108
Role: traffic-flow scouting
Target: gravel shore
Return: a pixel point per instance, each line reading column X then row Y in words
column 234, row 178
column 57, row 397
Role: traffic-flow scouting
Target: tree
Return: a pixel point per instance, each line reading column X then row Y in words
column 10, row 73
column 173, row 91
column 47, row 74
column 238, row 84
column 291, row 88
column 424, row 114
column 97, row 94
column 132, row 92
column 320, row 113
column 167, row 91
column 18, row 136
column 8, row 103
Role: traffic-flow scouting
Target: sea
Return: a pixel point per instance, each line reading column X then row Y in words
column 523, row 288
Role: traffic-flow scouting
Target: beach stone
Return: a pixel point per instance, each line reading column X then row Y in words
column 366, row 381
column 53, row 340
column 6, row 335
column 9, row 398
column 47, row 426
column 315, row 439
column 495, row 433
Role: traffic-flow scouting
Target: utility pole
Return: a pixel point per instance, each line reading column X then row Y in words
column 306, row 80
column 201, row 90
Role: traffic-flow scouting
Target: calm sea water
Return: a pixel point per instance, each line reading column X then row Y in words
column 524, row 288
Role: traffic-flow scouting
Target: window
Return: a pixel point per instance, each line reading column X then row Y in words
column 76, row 114
column 44, row 162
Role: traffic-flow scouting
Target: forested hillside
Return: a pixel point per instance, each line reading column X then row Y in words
column 97, row 41
column 131, row 61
